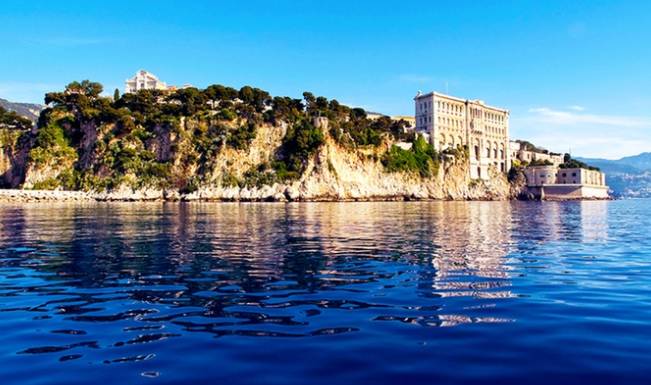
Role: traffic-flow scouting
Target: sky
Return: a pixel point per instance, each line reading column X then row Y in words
column 576, row 75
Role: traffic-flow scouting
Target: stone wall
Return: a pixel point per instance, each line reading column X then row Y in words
column 568, row 192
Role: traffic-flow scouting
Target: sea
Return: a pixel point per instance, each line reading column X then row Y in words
column 326, row 293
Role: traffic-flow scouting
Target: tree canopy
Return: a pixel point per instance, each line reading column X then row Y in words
column 11, row 120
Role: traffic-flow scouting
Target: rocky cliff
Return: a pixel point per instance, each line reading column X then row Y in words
column 246, row 146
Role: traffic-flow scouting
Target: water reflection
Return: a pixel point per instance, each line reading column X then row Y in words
column 159, row 272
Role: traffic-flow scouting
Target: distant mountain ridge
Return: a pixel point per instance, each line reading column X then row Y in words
column 627, row 177
column 29, row 110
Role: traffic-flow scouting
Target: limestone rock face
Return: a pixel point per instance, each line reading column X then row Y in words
column 35, row 175
column 334, row 172
column 13, row 158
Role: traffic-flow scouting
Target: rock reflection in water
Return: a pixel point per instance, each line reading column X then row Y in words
column 117, row 283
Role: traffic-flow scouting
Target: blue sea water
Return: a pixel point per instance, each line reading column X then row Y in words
column 326, row 293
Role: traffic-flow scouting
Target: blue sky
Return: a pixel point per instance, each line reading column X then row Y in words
column 574, row 74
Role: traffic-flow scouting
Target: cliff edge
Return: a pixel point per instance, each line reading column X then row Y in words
column 224, row 144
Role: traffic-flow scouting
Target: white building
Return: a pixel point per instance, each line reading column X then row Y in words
column 552, row 182
column 452, row 122
column 520, row 152
column 144, row 80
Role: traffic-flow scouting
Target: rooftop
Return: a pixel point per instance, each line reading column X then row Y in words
column 455, row 98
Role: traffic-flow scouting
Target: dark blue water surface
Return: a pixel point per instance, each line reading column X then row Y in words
column 324, row 293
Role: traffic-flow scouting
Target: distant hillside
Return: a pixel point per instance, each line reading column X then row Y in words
column 28, row 110
column 641, row 162
column 627, row 177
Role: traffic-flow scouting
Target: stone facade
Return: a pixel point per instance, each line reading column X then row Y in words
column 451, row 122
column 552, row 182
column 544, row 175
column 144, row 80
column 518, row 151
column 580, row 176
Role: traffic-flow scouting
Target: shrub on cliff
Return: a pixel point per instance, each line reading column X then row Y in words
column 540, row 162
column 12, row 121
column 285, row 109
column 358, row 130
column 459, row 152
column 241, row 138
column 156, row 136
column 421, row 158
column 50, row 145
column 300, row 143
column 573, row 163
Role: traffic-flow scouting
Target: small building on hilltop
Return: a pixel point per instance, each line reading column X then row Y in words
column 144, row 80
column 374, row 115
column 525, row 153
column 410, row 121
column 557, row 183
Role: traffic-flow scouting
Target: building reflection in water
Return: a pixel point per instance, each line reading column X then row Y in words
column 414, row 259
column 594, row 220
column 472, row 241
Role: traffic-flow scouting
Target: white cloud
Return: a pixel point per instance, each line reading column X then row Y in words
column 576, row 108
column 586, row 134
column 548, row 115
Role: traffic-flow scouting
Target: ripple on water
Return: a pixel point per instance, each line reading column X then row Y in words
column 448, row 292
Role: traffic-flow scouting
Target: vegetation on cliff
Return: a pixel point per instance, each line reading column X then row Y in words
column 421, row 158
column 13, row 127
column 568, row 162
column 175, row 140
column 10, row 120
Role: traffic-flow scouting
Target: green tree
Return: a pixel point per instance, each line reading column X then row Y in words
column 11, row 120
column 246, row 94
column 116, row 94
column 300, row 143
column 190, row 99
